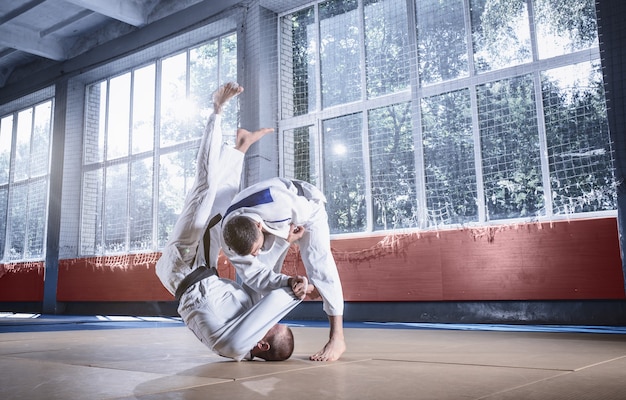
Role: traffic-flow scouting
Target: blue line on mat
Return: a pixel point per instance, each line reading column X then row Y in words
column 45, row 323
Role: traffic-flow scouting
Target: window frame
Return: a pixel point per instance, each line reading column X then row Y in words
column 27, row 182
column 158, row 150
column 417, row 91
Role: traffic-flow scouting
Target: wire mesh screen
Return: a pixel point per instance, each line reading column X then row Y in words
column 510, row 148
column 6, row 138
column 386, row 39
column 298, row 78
column 406, row 114
column 441, row 25
column 448, row 112
column 391, row 153
column 144, row 126
column 24, row 179
column 581, row 170
column 344, row 173
column 500, row 34
column 340, row 52
column 299, row 155
column 448, row 142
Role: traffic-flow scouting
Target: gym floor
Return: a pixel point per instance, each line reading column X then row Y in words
column 103, row 357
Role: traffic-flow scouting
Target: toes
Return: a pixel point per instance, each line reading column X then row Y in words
column 317, row 357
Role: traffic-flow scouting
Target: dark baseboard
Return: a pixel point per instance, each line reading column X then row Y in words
column 554, row 312
column 588, row 312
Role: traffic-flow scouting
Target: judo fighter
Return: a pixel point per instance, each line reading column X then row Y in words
column 220, row 312
column 257, row 229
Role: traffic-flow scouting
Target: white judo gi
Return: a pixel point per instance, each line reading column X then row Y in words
column 276, row 203
column 220, row 312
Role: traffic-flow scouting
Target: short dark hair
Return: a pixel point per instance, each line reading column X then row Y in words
column 240, row 233
column 281, row 346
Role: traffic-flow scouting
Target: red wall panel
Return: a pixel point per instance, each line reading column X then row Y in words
column 545, row 261
column 115, row 278
column 536, row 261
column 21, row 282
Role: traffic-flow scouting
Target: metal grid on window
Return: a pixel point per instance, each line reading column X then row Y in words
column 143, row 129
column 386, row 42
column 340, row 52
column 344, row 173
column 491, row 127
column 391, row 153
column 580, row 157
column 298, row 57
column 510, row 148
column 24, row 180
column 500, row 34
column 441, row 25
column 448, row 143
column 299, row 156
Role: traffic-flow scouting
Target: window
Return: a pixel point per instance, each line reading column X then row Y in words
column 24, row 177
column 441, row 113
column 142, row 132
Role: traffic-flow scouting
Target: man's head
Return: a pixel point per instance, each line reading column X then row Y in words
column 276, row 345
column 243, row 235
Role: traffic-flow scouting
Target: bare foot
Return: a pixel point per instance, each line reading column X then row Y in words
column 331, row 352
column 245, row 138
column 224, row 93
